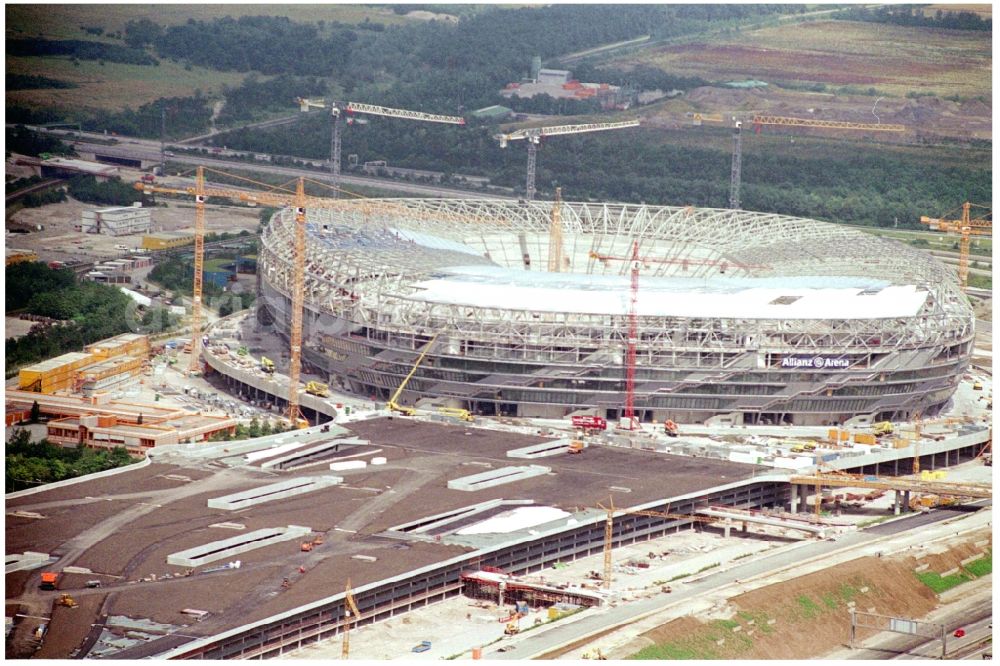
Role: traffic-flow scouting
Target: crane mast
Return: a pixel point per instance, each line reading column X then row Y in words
column 632, row 335
column 351, row 614
column 555, row 235
column 298, row 291
column 633, row 338
column 609, row 527
column 966, row 227
column 534, row 135
column 337, row 108
column 735, row 175
column 299, row 201
column 199, row 262
column 734, row 172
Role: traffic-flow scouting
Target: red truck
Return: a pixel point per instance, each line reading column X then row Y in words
column 590, row 423
column 50, row 580
column 148, row 178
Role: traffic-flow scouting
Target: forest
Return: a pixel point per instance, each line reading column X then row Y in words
column 91, row 311
column 111, row 192
column 29, row 464
column 446, row 68
column 80, row 49
column 23, row 141
column 846, row 181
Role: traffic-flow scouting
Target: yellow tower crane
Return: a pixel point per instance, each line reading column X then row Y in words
column 610, row 524
column 299, row 201
column 534, row 136
column 966, row 227
column 759, row 120
column 351, row 614
column 351, row 108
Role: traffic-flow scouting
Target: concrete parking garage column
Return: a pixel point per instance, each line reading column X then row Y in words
column 906, row 501
column 895, row 503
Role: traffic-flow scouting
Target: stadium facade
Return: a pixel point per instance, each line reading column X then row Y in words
column 742, row 316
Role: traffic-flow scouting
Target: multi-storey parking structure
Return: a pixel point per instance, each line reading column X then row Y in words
column 741, row 316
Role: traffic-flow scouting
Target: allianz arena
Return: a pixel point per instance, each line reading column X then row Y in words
column 743, row 317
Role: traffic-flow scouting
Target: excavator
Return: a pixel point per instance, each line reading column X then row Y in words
column 392, row 404
column 266, row 365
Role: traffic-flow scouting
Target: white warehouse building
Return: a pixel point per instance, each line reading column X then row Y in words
column 118, row 221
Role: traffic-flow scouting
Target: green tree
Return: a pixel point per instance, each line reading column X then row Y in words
column 35, row 412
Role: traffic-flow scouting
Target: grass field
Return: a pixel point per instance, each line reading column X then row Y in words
column 894, row 60
column 111, row 86
column 940, row 583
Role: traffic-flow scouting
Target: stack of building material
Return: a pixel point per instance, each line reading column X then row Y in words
column 54, row 374
column 132, row 344
column 110, row 375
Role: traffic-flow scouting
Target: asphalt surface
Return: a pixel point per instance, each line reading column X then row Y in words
column 149, row 150
column 975, row 618
column 601, row 621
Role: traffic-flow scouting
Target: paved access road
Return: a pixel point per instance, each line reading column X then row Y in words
column 971, row 612
column 601, row 620
column 149, row 150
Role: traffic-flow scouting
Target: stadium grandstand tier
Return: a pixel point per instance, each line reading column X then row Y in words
column 743, row 317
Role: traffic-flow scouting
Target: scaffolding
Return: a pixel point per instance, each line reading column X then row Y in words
column 371, row 266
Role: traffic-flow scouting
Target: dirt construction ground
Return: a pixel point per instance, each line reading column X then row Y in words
column 807, row 616
column 839, row 70
column 59, row 242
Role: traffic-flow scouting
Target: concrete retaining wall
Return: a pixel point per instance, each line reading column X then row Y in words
column 80, row 479
column 543, row 450
column 275, row 491
column 497, row 477
column 226, row 548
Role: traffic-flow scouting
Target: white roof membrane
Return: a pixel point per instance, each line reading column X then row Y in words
column 802, row 297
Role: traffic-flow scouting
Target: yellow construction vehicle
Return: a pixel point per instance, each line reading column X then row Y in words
column 266, row 365
column 392, row 404
column 67, row 601
column 318, row 389
column 510, row 629
column 458, row 413
column 882, row 428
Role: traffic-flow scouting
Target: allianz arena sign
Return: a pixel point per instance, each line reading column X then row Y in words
column 817, row 362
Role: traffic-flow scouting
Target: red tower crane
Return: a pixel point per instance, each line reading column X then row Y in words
column 632, row 336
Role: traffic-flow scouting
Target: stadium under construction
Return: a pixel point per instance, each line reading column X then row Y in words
column 741, row 317
column 524, row 310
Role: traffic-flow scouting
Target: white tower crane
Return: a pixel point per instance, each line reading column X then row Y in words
column 534, row 136
column 336, row 108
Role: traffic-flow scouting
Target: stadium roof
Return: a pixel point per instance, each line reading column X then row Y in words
column 799, row 297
